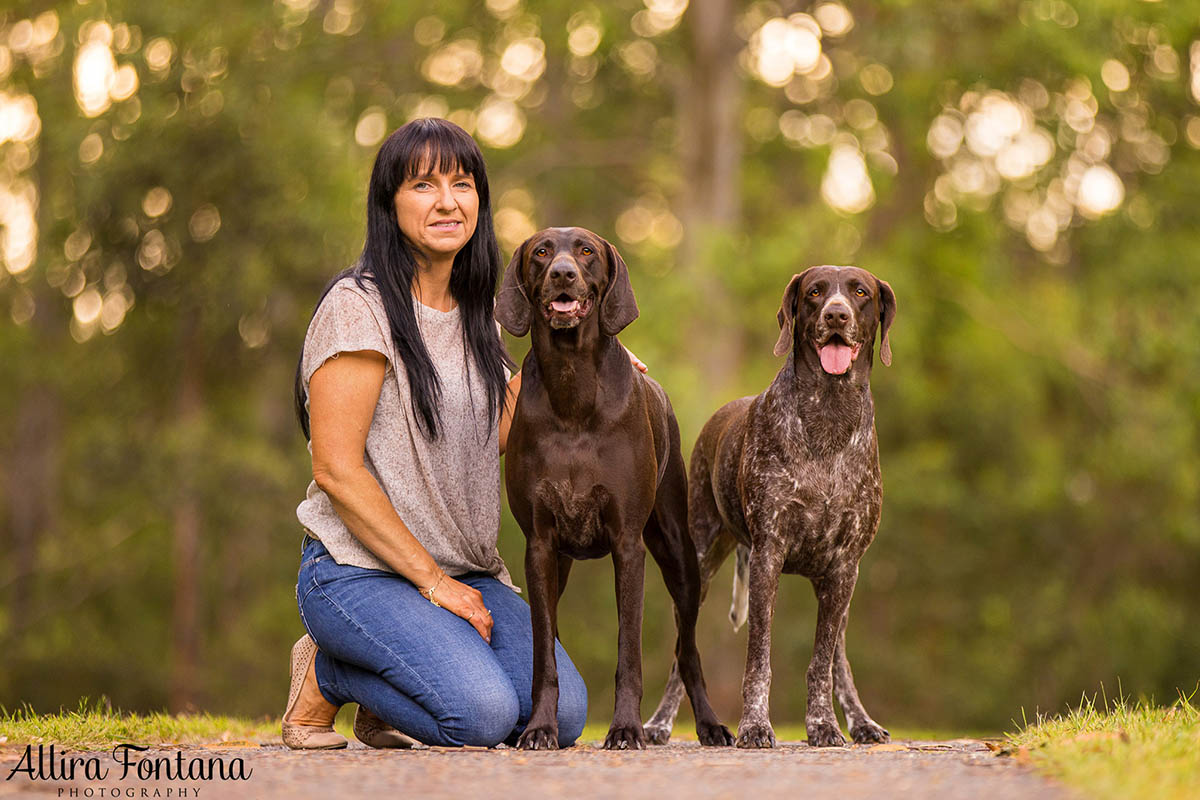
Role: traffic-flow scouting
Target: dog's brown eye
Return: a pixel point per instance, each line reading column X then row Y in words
column 859, row 291
column 587, row 251
column 540, row 252
column 815, row 293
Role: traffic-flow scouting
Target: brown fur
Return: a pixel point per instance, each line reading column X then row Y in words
column 594, row 467
column 790, row 478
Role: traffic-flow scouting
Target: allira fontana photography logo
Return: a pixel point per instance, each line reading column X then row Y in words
column 126, row 763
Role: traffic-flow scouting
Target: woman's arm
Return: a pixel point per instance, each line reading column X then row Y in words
column 342, row 396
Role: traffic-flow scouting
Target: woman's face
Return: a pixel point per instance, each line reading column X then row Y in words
column 437, row 213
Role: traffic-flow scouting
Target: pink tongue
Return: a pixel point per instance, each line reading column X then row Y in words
column 835, row 358
column 564, row 306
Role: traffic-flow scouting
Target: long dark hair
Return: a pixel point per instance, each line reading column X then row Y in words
column 388, row 262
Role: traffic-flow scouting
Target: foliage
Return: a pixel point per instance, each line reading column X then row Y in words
column 1038, row 430
column 1121, row 749
column 96, row 726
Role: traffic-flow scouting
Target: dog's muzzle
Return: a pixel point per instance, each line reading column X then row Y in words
column 836, row 337
column 566, row 299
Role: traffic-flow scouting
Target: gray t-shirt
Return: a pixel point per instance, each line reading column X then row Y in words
column 447, row 491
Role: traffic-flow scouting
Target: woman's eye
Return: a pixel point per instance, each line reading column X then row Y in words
column 587, row 251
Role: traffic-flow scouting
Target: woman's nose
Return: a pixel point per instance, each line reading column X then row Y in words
column 446, row 199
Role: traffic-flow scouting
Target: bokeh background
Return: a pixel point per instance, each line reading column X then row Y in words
column 178, row 180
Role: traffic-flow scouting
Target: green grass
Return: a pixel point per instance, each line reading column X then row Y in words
column 1118, row 749
column 95, row 725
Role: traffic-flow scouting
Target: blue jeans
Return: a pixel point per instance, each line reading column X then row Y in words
column 422, row 669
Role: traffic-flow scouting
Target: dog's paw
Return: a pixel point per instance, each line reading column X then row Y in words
column 713, row 734
column 825, row 734
column 869, row 732
column 538, row 739
column 657, row 733
column 625, row 737
column 756, row 735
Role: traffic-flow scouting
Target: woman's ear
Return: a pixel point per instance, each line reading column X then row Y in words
column 618, row 308
column 513, row 309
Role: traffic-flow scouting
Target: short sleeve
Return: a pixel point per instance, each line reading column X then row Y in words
column 344, row 323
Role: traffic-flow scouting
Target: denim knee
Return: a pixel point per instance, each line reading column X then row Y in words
column 572, row 705
column 480, row 714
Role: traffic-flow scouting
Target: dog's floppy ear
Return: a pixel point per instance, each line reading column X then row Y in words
column 617, row 307
column 887, row 314
column 513, row 309
column 787, row 313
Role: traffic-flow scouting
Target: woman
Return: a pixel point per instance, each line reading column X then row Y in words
column 402, row 389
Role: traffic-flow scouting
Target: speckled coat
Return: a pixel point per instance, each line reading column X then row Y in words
column 790, row 479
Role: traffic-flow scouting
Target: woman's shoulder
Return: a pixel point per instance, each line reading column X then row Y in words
column 348, row 295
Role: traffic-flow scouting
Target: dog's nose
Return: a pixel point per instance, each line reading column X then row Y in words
column 837, row 314
column 563, row 272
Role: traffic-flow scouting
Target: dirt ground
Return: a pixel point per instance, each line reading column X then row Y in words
column 962, row 768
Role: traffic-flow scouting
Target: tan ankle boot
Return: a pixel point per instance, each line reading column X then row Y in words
column 308, row 734
column 374, row 732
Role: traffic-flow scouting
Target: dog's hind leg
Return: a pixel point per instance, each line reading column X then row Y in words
column 863, row 729
column 674, row 555
column 713, row 546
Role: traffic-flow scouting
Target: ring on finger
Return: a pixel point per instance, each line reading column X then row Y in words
column 470, row 615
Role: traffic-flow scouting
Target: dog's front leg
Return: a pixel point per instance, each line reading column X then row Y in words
column 833, row 603
column 766, row 563
column 541, row 573
column 629, row 567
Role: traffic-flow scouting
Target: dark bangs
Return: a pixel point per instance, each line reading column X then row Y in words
column 426, row 146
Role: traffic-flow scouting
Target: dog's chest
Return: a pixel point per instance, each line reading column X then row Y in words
column 577, row 512
column 584, row 485
column 820, row 509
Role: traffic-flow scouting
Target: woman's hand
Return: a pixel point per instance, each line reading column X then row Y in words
column 465, row 601
column 637, row 362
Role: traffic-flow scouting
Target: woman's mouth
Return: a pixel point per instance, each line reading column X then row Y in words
column 446, row 225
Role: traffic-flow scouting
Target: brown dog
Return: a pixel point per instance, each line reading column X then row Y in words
column 791, row 479
column 594, row 467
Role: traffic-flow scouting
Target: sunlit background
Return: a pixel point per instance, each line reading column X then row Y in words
column 178, row 181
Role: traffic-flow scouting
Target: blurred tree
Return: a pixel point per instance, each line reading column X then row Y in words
column 177, row 182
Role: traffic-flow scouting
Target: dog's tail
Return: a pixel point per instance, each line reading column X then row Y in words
column 740, row 608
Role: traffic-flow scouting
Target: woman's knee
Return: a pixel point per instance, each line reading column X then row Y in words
column 572, row 704
column 481, row 713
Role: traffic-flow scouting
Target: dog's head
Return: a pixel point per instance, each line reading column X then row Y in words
column 836, row 311
column 565, row 277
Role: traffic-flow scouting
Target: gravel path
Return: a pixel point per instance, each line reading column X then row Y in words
column 962, row 768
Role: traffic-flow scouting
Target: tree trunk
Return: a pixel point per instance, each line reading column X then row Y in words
column 711, row 151
column 187, row 521
column 31, row 487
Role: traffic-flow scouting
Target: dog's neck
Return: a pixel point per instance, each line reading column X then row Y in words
column 569, row 364
column 831, row 408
